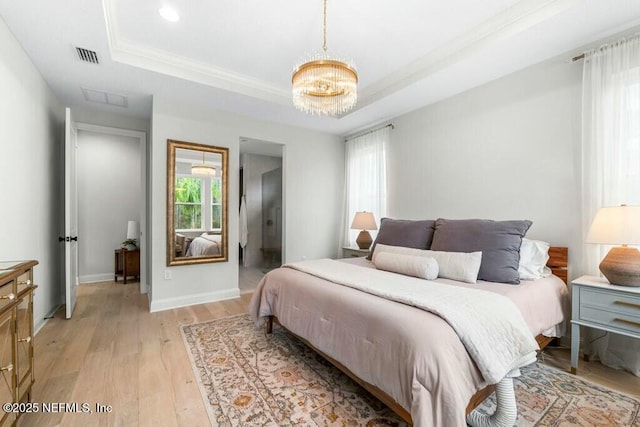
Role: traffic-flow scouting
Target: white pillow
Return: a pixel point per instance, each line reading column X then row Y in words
column 534, row 255
column 460, row 266
column 410, row 265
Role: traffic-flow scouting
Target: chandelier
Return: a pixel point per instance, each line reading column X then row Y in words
column 202, row 169
column 325, row 85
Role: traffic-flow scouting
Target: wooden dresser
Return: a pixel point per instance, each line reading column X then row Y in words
column 16, row 335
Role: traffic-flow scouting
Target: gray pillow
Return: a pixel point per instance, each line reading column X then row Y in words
column 499, row 242
column 408, row 233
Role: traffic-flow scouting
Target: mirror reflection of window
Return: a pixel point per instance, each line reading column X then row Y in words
column 188, row 208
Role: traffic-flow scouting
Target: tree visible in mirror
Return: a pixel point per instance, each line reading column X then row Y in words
column 216, row 205
column 188, row 205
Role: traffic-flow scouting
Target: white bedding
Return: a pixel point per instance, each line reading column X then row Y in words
column 489, row 325
column 205, row 245
column 412, row 355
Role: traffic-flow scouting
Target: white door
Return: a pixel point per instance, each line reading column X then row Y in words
column 70, row 212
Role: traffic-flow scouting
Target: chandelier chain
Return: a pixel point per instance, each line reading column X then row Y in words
column 324, row 28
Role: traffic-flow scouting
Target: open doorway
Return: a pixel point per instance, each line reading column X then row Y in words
column 262, row 222
column 111, row 175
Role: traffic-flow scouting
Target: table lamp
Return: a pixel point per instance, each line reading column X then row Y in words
column 133, row 233
column 619, row 225
column 364, row 221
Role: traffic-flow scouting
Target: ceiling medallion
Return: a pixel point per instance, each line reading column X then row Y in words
column 325, row 85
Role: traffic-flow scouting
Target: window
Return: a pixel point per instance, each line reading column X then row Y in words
column 366, row 178
column 216, row 204
column 198, row 204
column 188, row 203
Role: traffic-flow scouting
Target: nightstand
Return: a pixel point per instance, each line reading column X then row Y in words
column 126, row 264
column 598, row 304
column 353, row 252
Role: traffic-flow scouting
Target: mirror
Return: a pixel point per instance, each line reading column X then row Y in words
column 196, row 203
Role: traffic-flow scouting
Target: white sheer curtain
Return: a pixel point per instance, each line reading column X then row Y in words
column 365, row 179
column 610, row 164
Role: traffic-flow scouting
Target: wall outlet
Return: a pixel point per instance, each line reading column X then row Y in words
column 167, row 275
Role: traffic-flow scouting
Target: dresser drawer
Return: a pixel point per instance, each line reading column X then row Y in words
column 7, row 295
column 613, row 301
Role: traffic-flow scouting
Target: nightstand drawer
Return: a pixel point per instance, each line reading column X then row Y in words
column 352, row 252
column 608, row 318
column 612, row 301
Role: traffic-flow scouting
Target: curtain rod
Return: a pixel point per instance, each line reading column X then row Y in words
column 577, row 58
column 367, row 132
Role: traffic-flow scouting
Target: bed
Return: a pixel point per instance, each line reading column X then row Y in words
column 409, row 358
column 205, row 245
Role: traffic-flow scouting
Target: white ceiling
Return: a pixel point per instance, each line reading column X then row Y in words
column 239, row 55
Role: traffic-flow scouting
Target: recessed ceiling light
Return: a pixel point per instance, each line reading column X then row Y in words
column 169, row 14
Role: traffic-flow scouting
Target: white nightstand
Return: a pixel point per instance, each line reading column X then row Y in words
column 598, row 304
column 353, row 251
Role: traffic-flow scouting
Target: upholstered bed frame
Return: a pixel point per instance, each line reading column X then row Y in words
column 558, row 263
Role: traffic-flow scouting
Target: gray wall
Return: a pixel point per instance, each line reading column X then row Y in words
column 313, row 168
column 30, row 173
column 507, row 150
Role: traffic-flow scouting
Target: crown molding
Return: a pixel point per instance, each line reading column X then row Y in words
column 163, row 62
column 511, row 22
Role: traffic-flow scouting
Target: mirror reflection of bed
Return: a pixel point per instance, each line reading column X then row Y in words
column 204, row 244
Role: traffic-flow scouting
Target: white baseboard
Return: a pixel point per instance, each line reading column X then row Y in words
column 93, row 278
column 185, row 301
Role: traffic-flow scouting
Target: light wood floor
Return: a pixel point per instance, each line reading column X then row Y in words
column 114, row 352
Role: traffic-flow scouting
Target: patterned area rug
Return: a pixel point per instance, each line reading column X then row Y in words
column 247, row 378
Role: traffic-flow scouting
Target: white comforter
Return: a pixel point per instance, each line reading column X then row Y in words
column 489, row 325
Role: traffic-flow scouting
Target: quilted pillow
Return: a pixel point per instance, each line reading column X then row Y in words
column 459, row 266
column 499, row 242
column 404, row 232
column 409, row 265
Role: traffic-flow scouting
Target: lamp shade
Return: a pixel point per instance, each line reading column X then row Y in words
column 133, row 230
column 617, row 225
column 364, row 221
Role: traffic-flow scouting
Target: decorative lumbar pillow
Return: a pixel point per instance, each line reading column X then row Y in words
column 534, row 255
column 459, row 266
column 409, row 265
column 404, row 232
column 499, row 242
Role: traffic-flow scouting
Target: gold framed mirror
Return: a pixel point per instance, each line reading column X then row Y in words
column 197, row 203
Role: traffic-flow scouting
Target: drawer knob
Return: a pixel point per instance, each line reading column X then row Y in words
column 24, row 282
column 9, row 367
column 628, row 304
column 10, row 296
column 628, row 322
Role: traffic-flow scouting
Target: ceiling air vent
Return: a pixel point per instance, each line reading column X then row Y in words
column 87, row 55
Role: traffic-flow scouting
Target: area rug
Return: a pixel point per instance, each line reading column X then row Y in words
column 248, row 378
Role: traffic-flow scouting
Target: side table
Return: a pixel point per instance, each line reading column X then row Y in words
column 598, row 304
column 126, row 264
column 353, row 252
